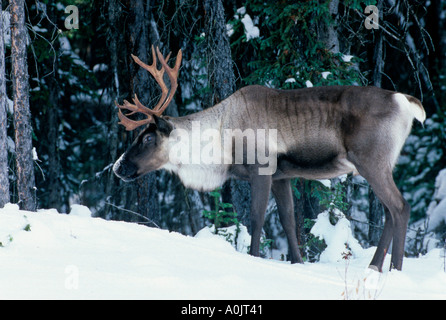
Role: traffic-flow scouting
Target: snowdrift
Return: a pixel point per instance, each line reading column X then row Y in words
column 47, row 255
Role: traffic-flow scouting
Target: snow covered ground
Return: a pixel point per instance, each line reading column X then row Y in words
column 47, row 255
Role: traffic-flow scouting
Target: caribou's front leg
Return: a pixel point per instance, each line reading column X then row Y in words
column 284, row 199
column 260, row 188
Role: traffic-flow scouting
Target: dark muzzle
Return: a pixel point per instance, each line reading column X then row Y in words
column 125, row 170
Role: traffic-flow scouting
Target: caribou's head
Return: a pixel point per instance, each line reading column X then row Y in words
column 147, row 153
column 149, row 150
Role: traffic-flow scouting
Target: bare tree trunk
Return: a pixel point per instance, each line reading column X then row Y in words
column 378, row 55
column 329, row 33
column 441, row 14
column 113, row 13
column 376, row 209
column 22, row 115
column 221, row 79
column 142, row 85
column 219, row 60
column 55, row 196
column 4, row 175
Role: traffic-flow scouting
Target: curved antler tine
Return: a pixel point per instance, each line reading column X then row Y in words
column 157, row 74
column 179, row 59
column 129, row 124
column 173, row 76
column 127, row 105
column 153, row 56
column 167, row 58
column 138, row 61
column 139, row 108
column 165, row 61
column 162, row 59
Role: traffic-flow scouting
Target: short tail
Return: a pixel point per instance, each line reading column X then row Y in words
column 417, row 108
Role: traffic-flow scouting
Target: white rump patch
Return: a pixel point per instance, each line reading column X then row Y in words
column 414, row 109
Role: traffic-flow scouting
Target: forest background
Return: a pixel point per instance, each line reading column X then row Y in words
column 77, row 56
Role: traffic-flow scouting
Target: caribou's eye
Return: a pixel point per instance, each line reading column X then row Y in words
column 148, row 138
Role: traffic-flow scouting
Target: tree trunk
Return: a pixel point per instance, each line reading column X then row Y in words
column 328, row 30
column 55, row 188
column 55, row 196
column 142, row 85
column 4, row 174
column 22, row 115
column 441, row 47
column 113, row 14
column 378, row 55
column 219, row 60
column 221, row 80
column 376, row 209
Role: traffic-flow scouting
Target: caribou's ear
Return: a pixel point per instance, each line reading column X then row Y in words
column 163, row 125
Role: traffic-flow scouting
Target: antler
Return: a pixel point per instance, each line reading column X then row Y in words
column 162, row 104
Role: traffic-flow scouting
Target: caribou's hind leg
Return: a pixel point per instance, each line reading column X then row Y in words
column 395, row 227
column 379, row 176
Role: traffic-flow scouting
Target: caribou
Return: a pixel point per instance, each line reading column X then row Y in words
column 313, row 133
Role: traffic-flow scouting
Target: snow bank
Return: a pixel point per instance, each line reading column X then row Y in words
column 46, row 255
column 80, row 211
column 338, row 238
column 238, row 238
